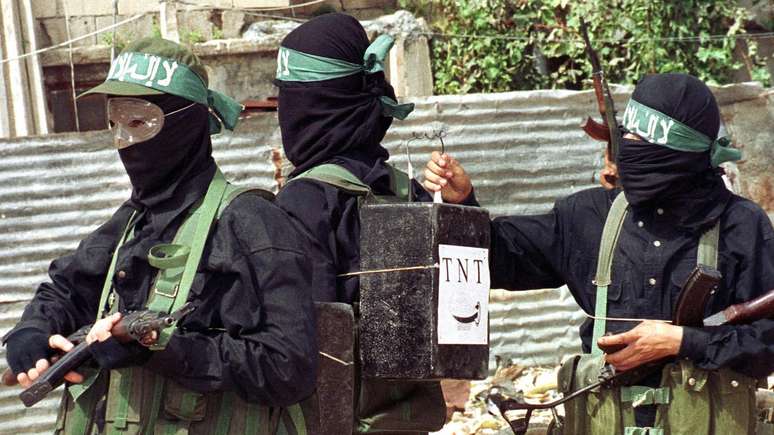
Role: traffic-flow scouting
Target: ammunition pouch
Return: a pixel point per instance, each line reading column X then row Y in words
column 387, row 406
column 140, row 402
column 689, row 401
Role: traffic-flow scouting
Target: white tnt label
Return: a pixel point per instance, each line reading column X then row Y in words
column 463, row 295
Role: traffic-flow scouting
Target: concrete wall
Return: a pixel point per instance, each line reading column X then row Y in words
column 211, row 19
column 241, row 68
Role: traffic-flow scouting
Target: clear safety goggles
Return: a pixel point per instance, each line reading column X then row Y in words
column 134, row 120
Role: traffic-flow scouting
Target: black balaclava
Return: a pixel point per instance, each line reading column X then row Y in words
column 182, row 150
column 684, row 182
column 333, row 118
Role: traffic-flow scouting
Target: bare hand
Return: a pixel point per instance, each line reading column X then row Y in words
column 646, row 342
column 445, row 174
column 57, row 342
column 102, row 330
column 102, row 327
column 608, row 176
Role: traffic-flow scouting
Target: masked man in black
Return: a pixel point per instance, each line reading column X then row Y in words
column 674, row 212
column 247, row 354
column 335, row 107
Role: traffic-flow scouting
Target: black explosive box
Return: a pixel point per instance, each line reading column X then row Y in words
column 424, row 291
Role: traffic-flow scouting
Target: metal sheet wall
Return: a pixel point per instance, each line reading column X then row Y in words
column 523, row 149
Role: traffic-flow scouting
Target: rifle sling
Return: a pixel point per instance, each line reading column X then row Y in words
column 707, row 255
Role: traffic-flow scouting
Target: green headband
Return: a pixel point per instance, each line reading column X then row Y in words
column 658, row 128
column 172, row 77
column 297, row 66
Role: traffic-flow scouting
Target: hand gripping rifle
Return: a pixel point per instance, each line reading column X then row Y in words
column 696, row 290
column 607, row 132
column 135, row 326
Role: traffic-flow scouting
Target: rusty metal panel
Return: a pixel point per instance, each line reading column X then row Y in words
column 523, row 149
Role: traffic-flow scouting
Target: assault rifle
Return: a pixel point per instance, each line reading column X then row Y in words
column 607, row 132
column 699, row 285
column 135, row 326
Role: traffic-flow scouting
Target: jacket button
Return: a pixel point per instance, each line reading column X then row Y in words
column 734, row 383
column 657, row 243
column 660, row 211
column 121, row 274
column 692, row 381
column 652, row 281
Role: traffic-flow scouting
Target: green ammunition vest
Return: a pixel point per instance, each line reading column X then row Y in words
column 385, row 405
column 689, row 400
column 138, row 401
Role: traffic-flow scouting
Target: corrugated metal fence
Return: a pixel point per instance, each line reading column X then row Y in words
column 523, row 150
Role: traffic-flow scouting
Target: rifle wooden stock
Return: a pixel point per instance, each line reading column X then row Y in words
column 9, row 380
column 756, row 309
column 596, row 130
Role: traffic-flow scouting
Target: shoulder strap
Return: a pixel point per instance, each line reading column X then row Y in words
column 233, row 191
column 399, row 182
column 173, row 283
column 610, row 233
column 128, row 230
column 336, row 176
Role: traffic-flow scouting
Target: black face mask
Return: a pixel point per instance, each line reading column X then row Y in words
column 653, row 175
column 182, row 149
column 332, row 118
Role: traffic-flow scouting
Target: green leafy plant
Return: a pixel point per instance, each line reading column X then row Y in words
column 501, row 45
column 192, row 36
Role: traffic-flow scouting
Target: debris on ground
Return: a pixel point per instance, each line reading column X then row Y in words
column 533, row 384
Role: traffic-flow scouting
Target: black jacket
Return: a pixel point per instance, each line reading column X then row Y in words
column 253, row 331
column 650, row 265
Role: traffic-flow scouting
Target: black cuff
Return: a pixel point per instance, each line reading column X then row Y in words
column 171, row 361
column 471, row 199
column 110, row 354
column 694, row 344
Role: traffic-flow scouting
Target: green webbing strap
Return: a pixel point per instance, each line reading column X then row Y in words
column 124, row 390
column 708, row 247
column 111, row 270
column 257, row 416
column 158, row 395
column 643, row 431
column 79, row 419
column 336, row 176
column 233, row 191
column 224, row 414
column 297, row 416
column 610, row 233
column 400, row 183
column 339, row 177
column 193, row 232
column 639, row 395
column 168, row 256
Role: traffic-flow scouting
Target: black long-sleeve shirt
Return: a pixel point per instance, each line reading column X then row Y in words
column 651, row 262
column 253, row 331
